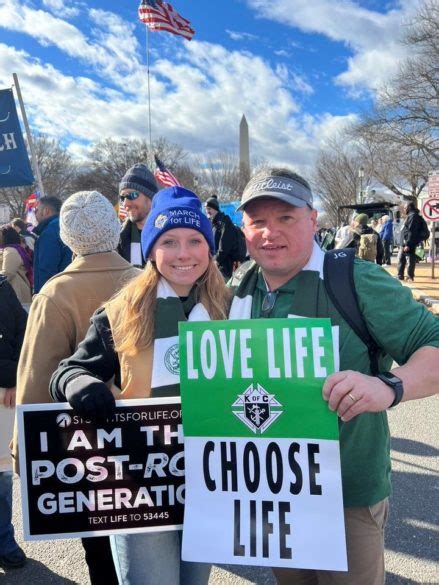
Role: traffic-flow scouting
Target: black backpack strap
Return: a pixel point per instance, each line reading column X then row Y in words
column 338, row 274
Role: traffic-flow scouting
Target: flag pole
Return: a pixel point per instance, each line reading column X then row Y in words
column 149, row 86
column 29, row 136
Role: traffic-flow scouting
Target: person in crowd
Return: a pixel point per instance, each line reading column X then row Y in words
column 128, row 340
column 365, row 240
column 286, row 278
column 343, row 236
column 21, row 228
column 397, row 229
column 16, row 263
column 386, row 235
column 375, row 224
column 224, row 236
column 12, row 326
column 136, row 190
column 326, row 238
column 51, row 255
column 412, row 234
column 60, row 316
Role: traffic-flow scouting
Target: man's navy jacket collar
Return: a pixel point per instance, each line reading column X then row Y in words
column 43, row 224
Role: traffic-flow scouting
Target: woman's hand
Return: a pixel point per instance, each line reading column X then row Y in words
column 90, row 397
column 9, row 397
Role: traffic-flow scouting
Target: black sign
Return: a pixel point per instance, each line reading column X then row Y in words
column 82, row 478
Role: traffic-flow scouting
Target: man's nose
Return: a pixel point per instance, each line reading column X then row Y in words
column 270, row 230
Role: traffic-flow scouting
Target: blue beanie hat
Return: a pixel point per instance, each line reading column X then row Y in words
column 174, row 208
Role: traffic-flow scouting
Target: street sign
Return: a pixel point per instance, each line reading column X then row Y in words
column 433, row 184
column 430, row 209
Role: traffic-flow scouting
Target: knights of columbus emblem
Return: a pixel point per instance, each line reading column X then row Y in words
column 258, row 409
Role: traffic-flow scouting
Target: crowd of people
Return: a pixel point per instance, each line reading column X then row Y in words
column 103, row 297
column 375, row 238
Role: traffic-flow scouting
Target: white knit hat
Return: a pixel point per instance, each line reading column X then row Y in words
column 89, row 224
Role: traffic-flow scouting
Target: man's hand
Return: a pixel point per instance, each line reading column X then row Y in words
column 351, row 393
column 9, row 397
column 406, row 249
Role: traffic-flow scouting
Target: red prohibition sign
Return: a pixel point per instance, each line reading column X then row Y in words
column 430, row 209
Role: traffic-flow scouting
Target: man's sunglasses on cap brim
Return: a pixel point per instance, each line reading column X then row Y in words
column 130, row 196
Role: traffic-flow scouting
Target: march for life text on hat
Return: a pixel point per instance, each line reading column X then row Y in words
column 287, row 189
column 173, row 208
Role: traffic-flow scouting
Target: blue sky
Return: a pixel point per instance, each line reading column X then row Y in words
column 299, row 70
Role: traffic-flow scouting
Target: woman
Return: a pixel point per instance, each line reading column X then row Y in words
column 129, row 338
column 90, row 228
column 12, row 325
column 16, row 263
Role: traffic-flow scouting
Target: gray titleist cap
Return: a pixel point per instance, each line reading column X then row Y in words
column 285, row 189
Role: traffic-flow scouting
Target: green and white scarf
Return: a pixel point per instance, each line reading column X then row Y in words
column 170, row 310
column 311, row 302
column 245, row 280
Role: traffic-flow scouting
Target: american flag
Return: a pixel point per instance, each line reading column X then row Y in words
column 30, row 205
column 122, row 211
column 159, row 15
column 164, row 176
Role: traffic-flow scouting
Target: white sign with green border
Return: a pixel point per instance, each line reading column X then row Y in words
column 263, row 480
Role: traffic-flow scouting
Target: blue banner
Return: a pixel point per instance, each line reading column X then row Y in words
column 230, row 209
column 15, row 169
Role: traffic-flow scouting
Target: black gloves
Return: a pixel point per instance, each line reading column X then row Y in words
column 90, row 398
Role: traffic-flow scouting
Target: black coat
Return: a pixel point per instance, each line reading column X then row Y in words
column 412, row 230
column 225, row 238
column 12, row 326
column 124, row 246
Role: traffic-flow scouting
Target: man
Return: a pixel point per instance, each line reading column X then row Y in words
column 60, row 314
column 365, row 240
column 414, row 231
column 51, row 255
column 386, row 235
column 286, row 279
column 136, row 190
column 224, row 236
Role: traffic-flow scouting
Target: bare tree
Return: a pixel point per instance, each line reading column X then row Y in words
column 401, row 168
column 110, row 159
column 408, row 107
column 219, row 174
column 58, row 172
column 335, row 180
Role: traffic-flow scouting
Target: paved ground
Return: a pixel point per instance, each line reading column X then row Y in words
column 425, row 288
column 412, row 552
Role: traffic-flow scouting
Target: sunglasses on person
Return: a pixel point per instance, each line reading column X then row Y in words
column 130, row 196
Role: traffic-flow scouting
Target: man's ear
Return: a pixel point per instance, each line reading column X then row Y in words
column 314, row 218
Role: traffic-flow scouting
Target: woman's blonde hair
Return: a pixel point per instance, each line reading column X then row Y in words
column 135, row 331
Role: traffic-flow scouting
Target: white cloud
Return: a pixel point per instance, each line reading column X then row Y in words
column 372, row 36
column 241, row 36
column 198, row 95
column 300, row 84
column 112, row 59
column 62, row 8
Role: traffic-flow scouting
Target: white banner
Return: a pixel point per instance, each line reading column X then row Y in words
column 273, row 503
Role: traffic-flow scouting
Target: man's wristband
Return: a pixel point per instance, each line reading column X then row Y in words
column 395, row 383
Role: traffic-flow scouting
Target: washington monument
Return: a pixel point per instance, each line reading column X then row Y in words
column 244, row 150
